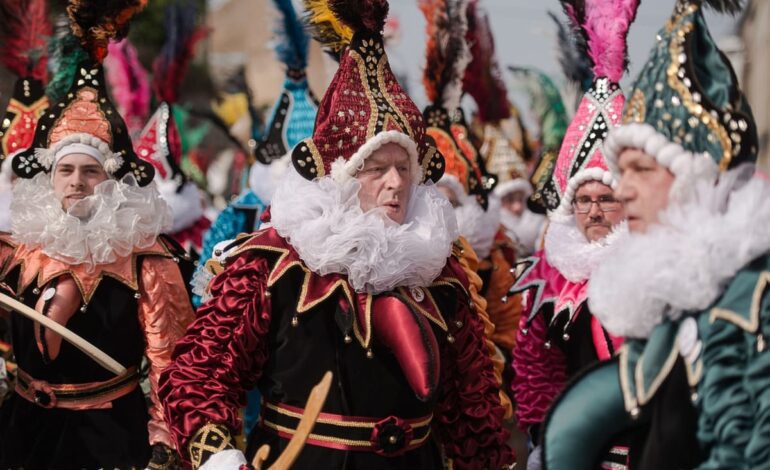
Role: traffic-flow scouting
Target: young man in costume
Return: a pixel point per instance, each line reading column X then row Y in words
column 160, row 142
column 524, row 227
column 355, row 275
column 87, row 220
column 689, row 288
column 559, row 336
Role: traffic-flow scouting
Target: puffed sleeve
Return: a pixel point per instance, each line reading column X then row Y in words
column 219, row 358
column 469, row 263
column 164, row 314
column 540, row 374
column 469, row 412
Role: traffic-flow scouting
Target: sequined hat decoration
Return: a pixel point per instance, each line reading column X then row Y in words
column 686, row 108
column 87, row 121
column 160, row 142
column 364, row 107
column 604, row 24
column 23, row 35
column 295, row 110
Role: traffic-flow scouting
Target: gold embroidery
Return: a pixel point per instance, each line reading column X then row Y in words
column 635, row 108
column 209, row 440
column 752, row 324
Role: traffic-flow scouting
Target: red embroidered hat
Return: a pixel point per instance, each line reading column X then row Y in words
column 364, row 107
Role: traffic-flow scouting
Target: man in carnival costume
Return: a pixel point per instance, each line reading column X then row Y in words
column 522, row 225
column 161, row 141
column 356, row 275
column 87, row 219
column 292, row 120
column 558, row 335
column 689, row 288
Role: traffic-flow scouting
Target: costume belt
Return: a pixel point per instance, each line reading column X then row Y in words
column 389, row 436
column 85, row 396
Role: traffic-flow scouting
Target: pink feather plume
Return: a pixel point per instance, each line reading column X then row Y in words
column 129, row 84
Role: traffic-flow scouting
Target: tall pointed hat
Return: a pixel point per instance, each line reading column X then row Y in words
column 160, row 142
column 25, row 31
column 364, row 107
column 604, row 24
column 86, row 121
column 686, row 108
column 447, row 56
column 294, row 112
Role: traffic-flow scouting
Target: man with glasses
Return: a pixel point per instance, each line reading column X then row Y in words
column 558, row 335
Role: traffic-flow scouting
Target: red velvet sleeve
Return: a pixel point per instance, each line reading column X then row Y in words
column 222, row 354
column 469, row 414
column 540, row 372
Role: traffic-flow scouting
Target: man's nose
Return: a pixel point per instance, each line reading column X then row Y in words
column 595, row 212
column 394, row 179
column 78, row 179
column 623, row 191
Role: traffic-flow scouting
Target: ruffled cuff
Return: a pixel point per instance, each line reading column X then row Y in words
column 469, row 412
column 540, row 372
column 222, row 354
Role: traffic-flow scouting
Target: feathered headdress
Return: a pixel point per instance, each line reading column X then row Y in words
column 294, row 113
column 23, row 35
column 291, row 40
column 548, row 108
column 24, row 32
column 483, row 79
column 160, row 142
column 327, row 27
column 447, row 54
column 364, row 107
column 573, row 57
column 604, row 25
column 129, row 83
column 86, row 121
column 64, row 55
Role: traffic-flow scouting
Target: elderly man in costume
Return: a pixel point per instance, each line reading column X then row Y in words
column 87, row 221
column 689, row 288
column 355, row 275
column 558, row 335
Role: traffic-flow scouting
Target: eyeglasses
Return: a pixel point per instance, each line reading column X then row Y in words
column 606, row 204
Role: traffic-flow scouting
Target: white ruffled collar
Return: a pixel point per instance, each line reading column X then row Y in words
column 123, row 217
column 323, row 221
column 684, row 263
column 568, row 250
column 185, row 203
column 477, row 225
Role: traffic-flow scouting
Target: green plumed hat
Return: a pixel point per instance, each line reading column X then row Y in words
column 686, row 108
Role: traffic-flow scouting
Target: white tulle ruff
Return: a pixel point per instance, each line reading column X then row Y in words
column 525, row 230
column 569, row 251
column 477, row 225
column 119, row 217
column 685, row 262
column 186, row 205
column 323, row 221
column 6, row 197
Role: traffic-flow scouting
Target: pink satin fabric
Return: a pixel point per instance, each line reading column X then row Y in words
column 164, row 314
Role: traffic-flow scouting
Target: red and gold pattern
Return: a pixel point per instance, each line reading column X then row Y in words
column 27, row 104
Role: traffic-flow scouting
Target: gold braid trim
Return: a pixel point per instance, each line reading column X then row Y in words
column 209, row 440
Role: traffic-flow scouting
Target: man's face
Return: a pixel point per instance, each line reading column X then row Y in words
column 644, row 188
column 386, row 182
column 596, row 210
column 514, row 202
column 75, row 177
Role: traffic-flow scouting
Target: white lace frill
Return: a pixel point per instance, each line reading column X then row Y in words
column 477, row 225
column 323, row 221
column 683, row 263
column 119, row 217
column 576, row 258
